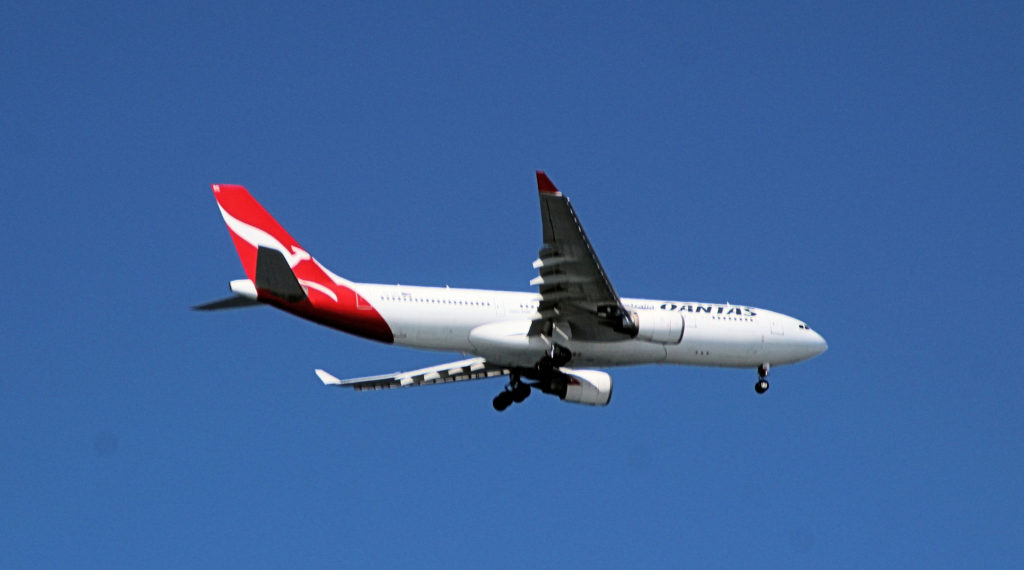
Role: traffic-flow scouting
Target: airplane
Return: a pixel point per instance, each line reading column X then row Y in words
column 538, row 340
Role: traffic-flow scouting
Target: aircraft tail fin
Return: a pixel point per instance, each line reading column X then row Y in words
column 281, row 273
column 254, row 230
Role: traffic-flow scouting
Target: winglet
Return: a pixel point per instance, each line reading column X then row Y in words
column 544, row 184
column 326, row 378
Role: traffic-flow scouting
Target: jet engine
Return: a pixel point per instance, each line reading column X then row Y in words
column 663, row 327
column 590, row 387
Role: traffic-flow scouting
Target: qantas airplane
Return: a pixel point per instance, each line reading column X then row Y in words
column 538, row 340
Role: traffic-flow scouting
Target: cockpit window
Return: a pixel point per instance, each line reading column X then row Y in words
column 803, row 326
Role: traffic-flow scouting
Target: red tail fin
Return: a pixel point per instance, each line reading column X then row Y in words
column 289, row 277
column 251, row 226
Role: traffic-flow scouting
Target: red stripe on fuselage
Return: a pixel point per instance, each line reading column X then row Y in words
column 350, row 313
column 333, row 305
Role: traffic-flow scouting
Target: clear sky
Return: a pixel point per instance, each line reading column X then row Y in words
column 856, row 165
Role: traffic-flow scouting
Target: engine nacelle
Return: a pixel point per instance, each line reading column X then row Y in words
column 590, row 387
column 663, row 327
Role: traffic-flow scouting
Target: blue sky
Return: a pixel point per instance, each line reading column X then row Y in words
column 858, row 166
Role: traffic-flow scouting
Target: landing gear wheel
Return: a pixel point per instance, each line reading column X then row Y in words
column 502, row 401
column 762, row 378
column 520, row 393
column 516, row 391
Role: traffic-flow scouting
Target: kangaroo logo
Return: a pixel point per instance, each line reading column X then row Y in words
column 256, row 237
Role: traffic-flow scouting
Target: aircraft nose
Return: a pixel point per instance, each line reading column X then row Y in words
column 818, row 344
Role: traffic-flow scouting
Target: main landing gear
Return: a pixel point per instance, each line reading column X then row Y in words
column 547, row 368
column 762, row 378
column 516, row 391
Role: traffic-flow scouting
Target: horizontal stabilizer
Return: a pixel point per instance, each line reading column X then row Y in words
column 236, row 302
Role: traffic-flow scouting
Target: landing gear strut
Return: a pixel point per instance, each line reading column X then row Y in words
column 516, row 391
column 557, row 356
column 762, row 378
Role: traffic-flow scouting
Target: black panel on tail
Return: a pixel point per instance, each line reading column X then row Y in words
column 274, row 276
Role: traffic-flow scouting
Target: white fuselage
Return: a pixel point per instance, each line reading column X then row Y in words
column 715, row 335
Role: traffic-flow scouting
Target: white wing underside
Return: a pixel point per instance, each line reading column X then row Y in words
column 470, row 369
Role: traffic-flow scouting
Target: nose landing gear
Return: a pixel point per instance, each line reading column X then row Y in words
column 762, row 378
column 516, row 391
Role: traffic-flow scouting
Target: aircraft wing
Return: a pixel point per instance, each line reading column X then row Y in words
column 577, row 299
column 471, row 369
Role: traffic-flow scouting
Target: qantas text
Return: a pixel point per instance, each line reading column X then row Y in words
column 710, row 309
